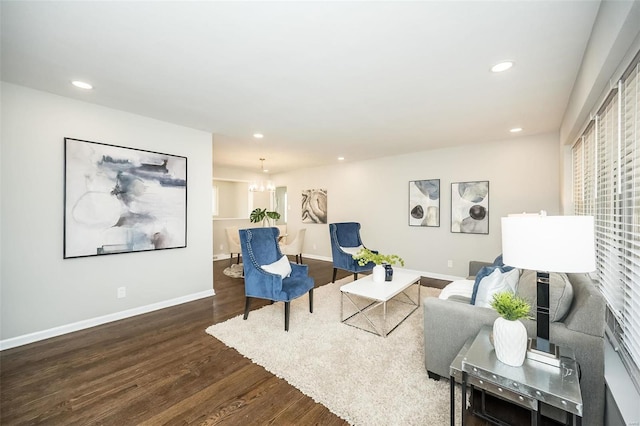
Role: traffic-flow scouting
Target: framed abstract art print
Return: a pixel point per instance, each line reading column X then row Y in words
column 121, row 200
column 470, row 207
column 424, row 202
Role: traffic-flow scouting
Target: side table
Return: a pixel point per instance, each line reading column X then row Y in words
column 531, row 385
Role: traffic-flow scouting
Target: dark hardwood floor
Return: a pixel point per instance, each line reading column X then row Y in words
column 156, row 368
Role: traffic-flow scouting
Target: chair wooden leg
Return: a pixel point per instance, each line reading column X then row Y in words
column 247, row 302
column 287, row 306
column 311, row 300
column 355, row 276
column 297, row 259
column 238, row 261
column 335, row 271
column 231, row 259
column 300, row 258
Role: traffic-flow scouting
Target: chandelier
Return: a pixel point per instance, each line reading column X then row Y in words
column 262, row 186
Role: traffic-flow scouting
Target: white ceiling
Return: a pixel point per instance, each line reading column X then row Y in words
column 319, row 79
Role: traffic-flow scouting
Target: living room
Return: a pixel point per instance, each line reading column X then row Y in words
column 525, row 173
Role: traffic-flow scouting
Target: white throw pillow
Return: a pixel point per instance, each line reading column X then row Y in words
column 281, row 267
column 352, row 250
column 494, row 283
column 462, row 288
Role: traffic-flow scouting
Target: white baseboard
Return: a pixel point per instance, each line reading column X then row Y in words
column 92, row 322
column 316, row 257
column 436, row 275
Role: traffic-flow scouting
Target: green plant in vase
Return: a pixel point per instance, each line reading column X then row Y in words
column 509, row 333
column 262, row 215
column 365, row 256
column 380, row 273
column 510, row 306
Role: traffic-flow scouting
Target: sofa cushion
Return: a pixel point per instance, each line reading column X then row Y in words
column 495, row 282
column 484, row 272
column 281, row 267
column 560, row 293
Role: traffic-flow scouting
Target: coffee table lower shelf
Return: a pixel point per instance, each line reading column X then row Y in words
column 366, row 295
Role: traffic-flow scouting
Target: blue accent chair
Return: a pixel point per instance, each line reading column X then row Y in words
column 346, row 234
column 260, row 247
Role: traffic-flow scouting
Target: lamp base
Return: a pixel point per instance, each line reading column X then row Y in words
column 551, row 358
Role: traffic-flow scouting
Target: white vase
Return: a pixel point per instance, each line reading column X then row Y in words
column 510, row 341
column 378, row 274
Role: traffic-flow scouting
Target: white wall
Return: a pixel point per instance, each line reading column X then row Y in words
column 523, row 175
column 41, row 290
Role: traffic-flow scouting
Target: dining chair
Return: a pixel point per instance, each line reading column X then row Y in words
column 294, row 247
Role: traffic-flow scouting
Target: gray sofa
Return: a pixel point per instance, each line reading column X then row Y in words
column 449, row 323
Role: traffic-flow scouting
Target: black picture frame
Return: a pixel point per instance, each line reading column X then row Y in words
column 470, row 207
column 121, row 200
column 424, row 203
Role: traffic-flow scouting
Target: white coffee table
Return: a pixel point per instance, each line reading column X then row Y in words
column 372, row 295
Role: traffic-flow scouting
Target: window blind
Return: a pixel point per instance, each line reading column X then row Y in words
column 606, row 185
column 630, row 210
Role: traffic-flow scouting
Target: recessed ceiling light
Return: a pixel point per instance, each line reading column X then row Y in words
column 502, row 66
column 82, row 85
column 258, row 135
column 340, row 158
column 516, row 130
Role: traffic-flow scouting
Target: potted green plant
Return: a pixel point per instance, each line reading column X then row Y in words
column 509, row 333
column 365, row 256
column 262, row 215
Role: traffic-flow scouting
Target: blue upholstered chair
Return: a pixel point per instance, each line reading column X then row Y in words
column 346, row 234
column 259, row 248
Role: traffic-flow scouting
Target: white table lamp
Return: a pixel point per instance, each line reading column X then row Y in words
column 547, row 244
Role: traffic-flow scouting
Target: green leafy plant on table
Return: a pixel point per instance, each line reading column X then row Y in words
column 510, row 306
column 262, row 215
column 365, row 256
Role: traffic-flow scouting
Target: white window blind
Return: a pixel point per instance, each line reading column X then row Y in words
column 607, row 200
column 606, row 185
column 630, row 210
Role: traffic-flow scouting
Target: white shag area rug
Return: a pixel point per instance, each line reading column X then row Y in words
column 363, row 378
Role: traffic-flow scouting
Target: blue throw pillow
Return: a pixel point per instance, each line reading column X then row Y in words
column 484, row 272
column 498, row 261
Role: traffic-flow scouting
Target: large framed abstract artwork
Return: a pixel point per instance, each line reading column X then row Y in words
column 120, row 200
column 314, row 206
column 470, row 207
column 424, row 202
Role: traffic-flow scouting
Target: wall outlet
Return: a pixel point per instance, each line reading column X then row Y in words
column 122, row 292
column 450, row 263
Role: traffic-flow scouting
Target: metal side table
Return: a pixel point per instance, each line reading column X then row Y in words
column 532, row 386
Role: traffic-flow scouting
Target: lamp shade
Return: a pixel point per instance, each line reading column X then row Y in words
column 549, row 243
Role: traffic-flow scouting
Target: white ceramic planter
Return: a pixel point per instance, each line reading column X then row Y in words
column 510, row 341
column 378, row 274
